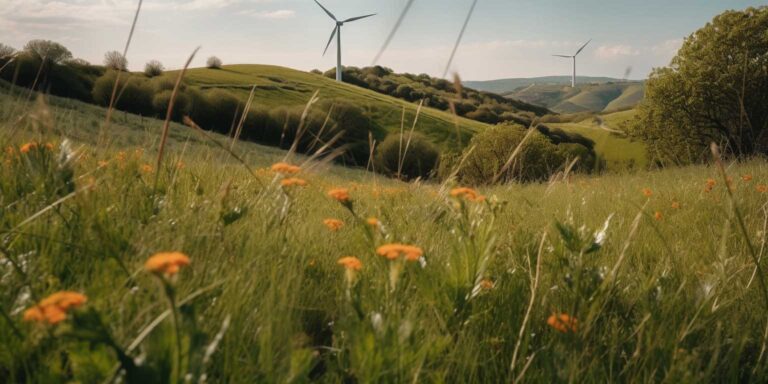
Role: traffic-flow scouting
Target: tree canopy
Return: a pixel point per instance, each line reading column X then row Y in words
column 716, row 89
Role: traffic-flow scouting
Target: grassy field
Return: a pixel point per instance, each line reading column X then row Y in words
column 644, row 277
column 598, row 98
column 279, row 86
column 618, row 151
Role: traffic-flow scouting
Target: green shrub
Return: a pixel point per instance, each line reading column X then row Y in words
column 537, row 160
column 153, row 68
column 215, row 110
column 181, row 106
column 134, row 94
column 420, row 159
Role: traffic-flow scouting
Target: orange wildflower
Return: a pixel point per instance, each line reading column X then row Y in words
column 54, row 308
column 373, row 222
column 468, row 194
column 675, row 205
column 351, row 262
column 339, row 194
column 333, row 224
column 28, row 147
column 285, row 168
column 146, row 168
column 293, row 182
column 393, row 251
column 49, row 146
column 747, row 178
column 563, row 323
column 167, row 263
column 487, row 284
column 762, row 188
column 647, row 192
column 658, row 216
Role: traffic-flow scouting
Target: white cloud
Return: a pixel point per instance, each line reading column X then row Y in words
column 278, row 14
column 616, row 51
column 667, row 48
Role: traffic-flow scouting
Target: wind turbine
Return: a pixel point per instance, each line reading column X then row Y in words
column 337, row 32
column 573, row 79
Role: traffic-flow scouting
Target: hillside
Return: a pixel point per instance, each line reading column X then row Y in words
column 618, row 151
column 441, row 94
column 502, row 86
column 284, row 87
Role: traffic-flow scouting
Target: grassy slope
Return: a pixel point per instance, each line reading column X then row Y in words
column 618, row 152
column 279, row 86
column 681, row 308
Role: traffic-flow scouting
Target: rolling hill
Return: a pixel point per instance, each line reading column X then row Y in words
column 596, row 94
column 283, row 87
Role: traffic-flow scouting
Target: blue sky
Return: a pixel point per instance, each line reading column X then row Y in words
column 505, row 38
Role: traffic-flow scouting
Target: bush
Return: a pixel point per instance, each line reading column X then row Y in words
column 537, row 160
column 47, row 50
column 215, row 110
column 153, row 68
column 181, row 106
column 214, row 63
column 116, row 61
column 420, row 160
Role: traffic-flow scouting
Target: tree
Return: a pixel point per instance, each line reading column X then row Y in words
column 716, row 89
column 115, row 60
column 48, row 50
column 214, row 63
column 153, row 68
column 6, row 51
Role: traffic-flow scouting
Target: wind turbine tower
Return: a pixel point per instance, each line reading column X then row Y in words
column 573, row 79
column 337, row 33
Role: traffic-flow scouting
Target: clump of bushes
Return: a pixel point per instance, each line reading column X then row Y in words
column 537, row 160
column 407, row 156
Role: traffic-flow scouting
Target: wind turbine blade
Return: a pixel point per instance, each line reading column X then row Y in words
column 393, row 32
column 358, row 18
column 333, row 34
column 582, row 47
column 567, row 57
column 326, row 11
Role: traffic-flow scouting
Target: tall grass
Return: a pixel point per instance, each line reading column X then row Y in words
column 660, row 292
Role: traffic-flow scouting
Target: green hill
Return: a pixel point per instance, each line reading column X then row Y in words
column 284, row 87
column 608, row 97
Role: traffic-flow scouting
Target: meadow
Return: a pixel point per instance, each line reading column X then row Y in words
column 235, row 262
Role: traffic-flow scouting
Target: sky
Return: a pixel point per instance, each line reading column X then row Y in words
column 504, row 38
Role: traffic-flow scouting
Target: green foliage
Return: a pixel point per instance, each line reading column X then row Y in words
column 134, row 93
column 412, row 154
column 213, row 62
column 715, row 90
column 489, row 151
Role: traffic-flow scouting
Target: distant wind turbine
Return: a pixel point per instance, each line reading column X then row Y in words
column 337, row 32
column 573, row 79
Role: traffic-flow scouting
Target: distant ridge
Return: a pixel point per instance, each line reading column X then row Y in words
column 592, row 94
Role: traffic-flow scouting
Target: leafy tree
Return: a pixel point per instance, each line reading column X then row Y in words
column 716, row 89
column 48, row 50
column 6, row 51
column 153, row 68
column 115, row 60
